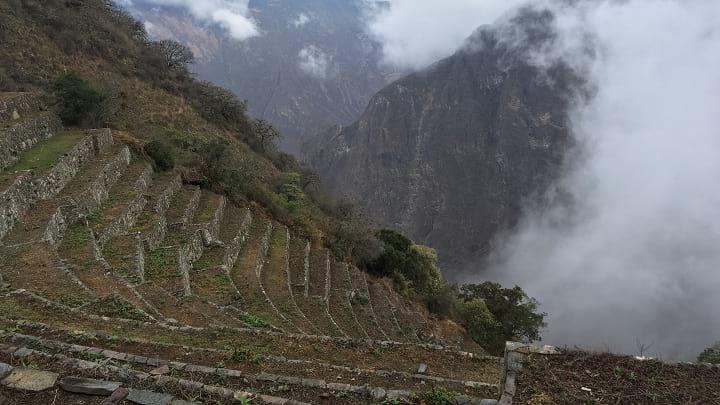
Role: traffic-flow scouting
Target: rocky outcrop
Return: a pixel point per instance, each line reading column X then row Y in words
column 449, row 155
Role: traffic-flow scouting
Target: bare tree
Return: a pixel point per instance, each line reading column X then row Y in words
column 175, row 54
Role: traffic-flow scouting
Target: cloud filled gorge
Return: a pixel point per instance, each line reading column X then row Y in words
column 628, row 245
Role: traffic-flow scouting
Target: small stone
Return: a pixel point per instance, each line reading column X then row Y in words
column 193, row 368
column 289, row 380
column 160, row 370
column 339, row 387
column 190, row 385
column 422, row 369
column 15, row 115
column 148, row 397
column 5, row 369
column 30, row 380
column 23, row 352
column 220, row 391
column 378, row 394
column 399, row 394
column 89, row 386
column 117, row 397
column 314, row 383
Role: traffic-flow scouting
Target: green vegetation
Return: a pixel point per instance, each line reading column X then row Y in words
column 515, row 316
column 415, row 263
column 440, row 396
column 46, row 153
column 254, row 321
column 78, row 102
column 710, row 355
column 162, row 152
column 246, row 354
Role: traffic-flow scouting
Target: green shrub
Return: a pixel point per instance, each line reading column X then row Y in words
column 416, row 263
column 516, row 315
column 710, row 355
column 162, row 152
column 78, row 102
column 439, row 396
column 481, row 325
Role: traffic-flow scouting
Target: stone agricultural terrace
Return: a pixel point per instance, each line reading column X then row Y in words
column 120, row 284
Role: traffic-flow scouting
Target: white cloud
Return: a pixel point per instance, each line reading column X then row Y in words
column 635, row 254
column 232, row 15
column 416, row 33
column 301, row 20
column 314, row 61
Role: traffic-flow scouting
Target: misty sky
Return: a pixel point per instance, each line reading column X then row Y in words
column 635, row 256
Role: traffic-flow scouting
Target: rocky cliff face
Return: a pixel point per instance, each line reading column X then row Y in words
column 449, row 155
column 312, row 66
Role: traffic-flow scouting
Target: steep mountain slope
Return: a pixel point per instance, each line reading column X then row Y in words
column 312, row 66
column 450, row 154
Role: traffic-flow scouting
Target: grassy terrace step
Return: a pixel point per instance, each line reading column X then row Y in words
column 183, row 206
column 33, row 224
column 274, row 278
column 339, row 302
column 409, row 323
column 169, row 306
column 299, row 266
column 363, row 306
column 210, row 278
column 77, row 252
column 245, row 276
column 17, row 136
column 123, row 252
column 36, row 268
column 256, row 369
column 122, row 197
column 42, row 156
column 164, row 266
column 367, row 355
column 385, row 312
column 313, row 306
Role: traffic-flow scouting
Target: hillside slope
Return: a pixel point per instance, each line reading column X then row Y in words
column 312, row 66
column 449, row 155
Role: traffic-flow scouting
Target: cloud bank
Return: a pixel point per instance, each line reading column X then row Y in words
column 416, row 33
column 301, row 20
column 632, row 249
column 231, row 15
column 314, row 61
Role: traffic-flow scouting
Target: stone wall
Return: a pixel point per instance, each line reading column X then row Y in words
column 122, row 223
column 28, row 189
column 15, row 106
column 25, row 134
column 513, row 362
column 233, row 249
column 154, row 237
column 205, row 235
column 86, row 202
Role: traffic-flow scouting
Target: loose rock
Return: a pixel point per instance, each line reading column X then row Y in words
column 149, row 398
column 89, row 386
column 30, row 380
